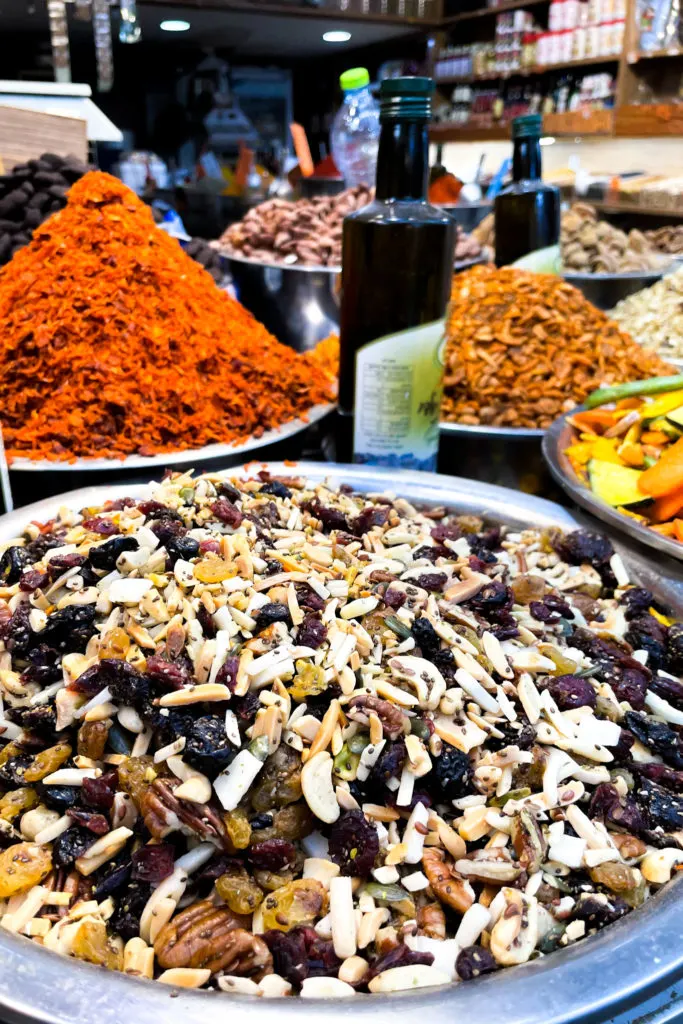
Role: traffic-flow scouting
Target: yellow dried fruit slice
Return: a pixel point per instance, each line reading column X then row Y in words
column 22, row 866
column 16, row 802
column 92, row 943
column 214, row 570
column 301, row 902
column 47, row 761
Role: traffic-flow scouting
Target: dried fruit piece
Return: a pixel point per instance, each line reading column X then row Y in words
column 309, row 681
column 22, row 866
column 297, row 903
column 16, row 802
column 241, row 894
column 47, row 761
column 214, row 570
column 92, row 943
column 354, row 844
column 238, row 828
column 115, row 643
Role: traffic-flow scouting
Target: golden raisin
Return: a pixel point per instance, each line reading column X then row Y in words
column 242, row 895
column 16, row 802
column 238, row 828
column 308, row 681
column 92, row 739
column 47, row 761
column 214, row 570
column 136, row 774
column 22, row 866
column 300, row 902
column 11, row 750
column 92, row 943
column 114, row 644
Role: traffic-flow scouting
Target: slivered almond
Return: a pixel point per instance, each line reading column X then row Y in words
column 324, row 734
column 317, row 788
column 466, row 588
column 195, row 695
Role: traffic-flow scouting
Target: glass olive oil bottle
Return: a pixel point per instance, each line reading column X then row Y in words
column 527, row 212
column 397, row 264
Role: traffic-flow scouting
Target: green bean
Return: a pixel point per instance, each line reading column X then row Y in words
column 653, row 386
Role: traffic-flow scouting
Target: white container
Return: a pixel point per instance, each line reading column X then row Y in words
column 605, row 39
column 555, row 16
column 618, row 33
column 579, row 42
column 570, row 12
column 594, row 12
column 555, row 48
column 593, row 41
column 584, row 11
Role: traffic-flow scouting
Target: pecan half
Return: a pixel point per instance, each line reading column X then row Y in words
column 431, row 921
column 211, row 937
column 390, row 716
column 445, row 882
column 163, row 813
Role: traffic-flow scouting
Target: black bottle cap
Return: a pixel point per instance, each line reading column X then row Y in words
column 406, row 99
column 529, row 126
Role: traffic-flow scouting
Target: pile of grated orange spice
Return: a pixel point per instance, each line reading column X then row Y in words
column 115, row 342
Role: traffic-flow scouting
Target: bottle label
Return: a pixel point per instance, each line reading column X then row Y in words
column 398, row 398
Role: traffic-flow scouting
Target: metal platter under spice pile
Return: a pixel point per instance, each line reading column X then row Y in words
column 590, row 929
column 116, row 344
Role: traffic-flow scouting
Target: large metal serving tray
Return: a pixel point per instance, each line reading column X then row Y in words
column 630, row 973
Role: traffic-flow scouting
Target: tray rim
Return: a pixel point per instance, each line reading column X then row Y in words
column 447, row 429
column 557, row 462
column 593, row 979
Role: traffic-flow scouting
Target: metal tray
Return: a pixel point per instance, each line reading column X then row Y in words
column 558, row 437
column 629, row 972
column 508, row 456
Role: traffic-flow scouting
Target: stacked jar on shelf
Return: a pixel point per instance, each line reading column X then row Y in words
column 580, row 30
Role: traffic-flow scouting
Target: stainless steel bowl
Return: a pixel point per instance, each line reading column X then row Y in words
column 629, row 973
column 605, row 290
column 558, row 437
column 298, row 304
column 508, row 456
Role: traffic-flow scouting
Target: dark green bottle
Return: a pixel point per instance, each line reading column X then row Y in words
column 527, row 211
column 397, row 266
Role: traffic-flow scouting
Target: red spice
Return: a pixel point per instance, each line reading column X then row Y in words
column 116, row 342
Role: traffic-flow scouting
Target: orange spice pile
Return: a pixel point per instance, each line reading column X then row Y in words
column 115, row 342
column 522, row 348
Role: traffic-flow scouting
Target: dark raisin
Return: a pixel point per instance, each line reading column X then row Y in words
column 452, row 773
column 32, row 579
column 17, row 632
column 301, row 953
column 394, row 598
column 91, row 820
column 431, row 552
column 331, row 518
column 599, row 909
column 623, row 812
column 369, row 518
column 450, row 530
column 308, row 598
column 125, row 920
column 226, row 490
column 181, row 547
column 104, row 556
column 70, row 845
column 353, row 844
column 69, row 629
column 205, row 620
column 426, row 638
column 59, row 798
column 167, row 675
column 111, row 878
column 12, row 771
column 153, row 863
column 270, row 613
column 312, row 632
column 168, row 530
column 245, row 708
column 58, row 565
column 582, row 546
column 12, row 563
column 493, row 600
column 646, row 634
column 98, row 524
column 674, row 649
column 472, row 961
column 208, row 748
column 433, row 581
column 277, row 488
column 228, row 513
column 667, row 777
column 399, row 956
column 100, row 792
column 571, row 692
column 551, row 609
column 637, row 600
column 126, row 684
column 227, row 673
column 155, row 510
column 670, row 689
column 44, row 666
column 272, row 855
column 657, row 736
column 388, row 766
column 40, row 719
column 663, row 808
column 261, row 821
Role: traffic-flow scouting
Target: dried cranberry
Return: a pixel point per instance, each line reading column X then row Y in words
column 17, row 632
column 272, row 855
column 91, row 820
column 622, row 812
column 433, row 581
column 227, row 512
column 631, row 685
column 452, row 773
column 70, row 845
column 308, row 598
column 667, row 777
column 125, row 920
column 270, row 613
column 205, row 620
column 153, row 863
column 477, row 564
column 118, row 504
column 246, row 707
column 473, row 961
column 637, row 601
column 582, row 546
column 277, row 488
column 168, row 675
column 209, row 547
column 105, row 527
column 12, row 563
column 353, row 844
column 399, row 956
column 100, row 792
column 431, row 552
column 450, row 530
column 104, row 556
column 155, row 510
column 32, row 579
column 331, row 518
column 426, row 638
column 300, row 954
column 571, row 692
column 369, row 518
column 492, row 600
column 208, row 748
column 312, row 632
column 394, row 598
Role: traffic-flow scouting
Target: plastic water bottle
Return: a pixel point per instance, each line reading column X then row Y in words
column 355, row 130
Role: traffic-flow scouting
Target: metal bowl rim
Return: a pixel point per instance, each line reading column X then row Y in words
column 626, row 275
column 502, row 433
column 559, row 467
column 593, row 977
column 307, row 268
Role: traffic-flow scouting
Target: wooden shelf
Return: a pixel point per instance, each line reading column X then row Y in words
column 649, row 120
column 495, row 76
column 573, row 123
column 485, row 12
column 645, row 55
column 468, row 133
column 633, row 208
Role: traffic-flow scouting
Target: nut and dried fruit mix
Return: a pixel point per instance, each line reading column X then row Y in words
column 654, row 316
column 307, row 232
column 115, row 342
column 522, row 348
column 267, row 736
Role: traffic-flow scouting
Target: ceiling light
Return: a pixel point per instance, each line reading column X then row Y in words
column 336, row 37
column 548, row 140
column 174, row 25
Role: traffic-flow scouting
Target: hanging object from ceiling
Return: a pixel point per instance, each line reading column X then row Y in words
column 59, row 37
column 101, row 26
column 129, row 29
